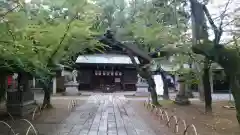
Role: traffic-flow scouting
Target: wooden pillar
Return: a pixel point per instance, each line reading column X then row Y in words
column 54, row 85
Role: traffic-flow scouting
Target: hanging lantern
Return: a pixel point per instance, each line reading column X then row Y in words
column 116, row 73
column 96, row 73
column 112, row 73
column 120, row 73
column 108, row 73
column 99, row 73
column 104, row 72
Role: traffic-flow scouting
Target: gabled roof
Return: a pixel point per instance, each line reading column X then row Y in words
column 105, row 59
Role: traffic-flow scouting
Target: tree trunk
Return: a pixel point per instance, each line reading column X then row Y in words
column 228, row 58
column 146, row 74
column 200, row 81
column 153, row 96
column 207, row 87
column 3, row 86
column 165, row 87
column 201, row 89
column 47, row 98
column 132, row 50
column 47, row 93
column 235, row 87
column 152, row 90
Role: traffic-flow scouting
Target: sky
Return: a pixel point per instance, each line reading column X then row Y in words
column 216, row 8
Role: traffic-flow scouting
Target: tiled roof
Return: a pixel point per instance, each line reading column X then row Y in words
column 105, row 59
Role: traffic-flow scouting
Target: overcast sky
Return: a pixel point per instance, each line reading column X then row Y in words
column 216, row 8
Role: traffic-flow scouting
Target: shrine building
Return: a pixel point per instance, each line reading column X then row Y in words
column 113, row 68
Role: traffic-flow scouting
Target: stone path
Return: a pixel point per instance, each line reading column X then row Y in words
column 104, row 115
column 101, row 114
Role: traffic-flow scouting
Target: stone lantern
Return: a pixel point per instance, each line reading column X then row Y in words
column 182, row 98
column 20, row 99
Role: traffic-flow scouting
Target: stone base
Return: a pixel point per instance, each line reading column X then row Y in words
column 142, row 94
column 142, row 90
column 189, row 94
column 36, row 89
column 21, row 109
column 181, row 100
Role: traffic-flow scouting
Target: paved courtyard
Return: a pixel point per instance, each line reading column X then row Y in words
column 98, row 114
column 106, row 114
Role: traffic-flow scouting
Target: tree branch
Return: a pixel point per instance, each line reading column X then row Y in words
column 9, row 11
column 214, row 26
column 222, row 16
column 5, row 42
column 220, row 30
column 217, row 30
column 130, row 54
column 10, row 32
column 229, row 22
column 62, row 38
column 234, row 39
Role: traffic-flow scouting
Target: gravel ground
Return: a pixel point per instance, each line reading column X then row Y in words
column 158, row 127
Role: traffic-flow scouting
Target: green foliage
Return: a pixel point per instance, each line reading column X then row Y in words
column 39, row 35
column 34, row 39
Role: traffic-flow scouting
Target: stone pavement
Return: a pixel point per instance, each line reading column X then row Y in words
column 101, row 115
column 105, row 115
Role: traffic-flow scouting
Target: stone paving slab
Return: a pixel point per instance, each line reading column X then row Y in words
column 104, row 115
column 100, row 115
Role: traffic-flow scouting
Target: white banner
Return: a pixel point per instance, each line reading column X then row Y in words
column 159, row 84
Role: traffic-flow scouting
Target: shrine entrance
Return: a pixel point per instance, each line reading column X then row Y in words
column 107, row 78
column 102, row 71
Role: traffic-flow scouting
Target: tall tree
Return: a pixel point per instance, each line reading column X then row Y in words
column 226, row 57
column 33, row 44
